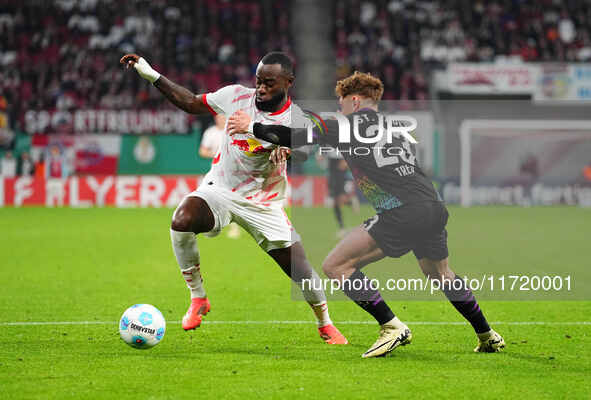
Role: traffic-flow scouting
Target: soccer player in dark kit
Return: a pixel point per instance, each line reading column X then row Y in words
column 410, row 213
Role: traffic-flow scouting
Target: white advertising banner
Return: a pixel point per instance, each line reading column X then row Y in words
column 485, row 78
column 563, row 83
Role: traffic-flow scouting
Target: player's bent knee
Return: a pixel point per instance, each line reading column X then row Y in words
column 193, row 215
column 181, row 222
column 183, row 219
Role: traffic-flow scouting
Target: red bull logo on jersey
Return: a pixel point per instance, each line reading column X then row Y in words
column 250, row 146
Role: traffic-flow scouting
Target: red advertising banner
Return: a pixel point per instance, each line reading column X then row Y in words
column 130, row 191
column 308, row 191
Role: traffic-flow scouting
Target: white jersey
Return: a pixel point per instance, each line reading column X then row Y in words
column 242, row 163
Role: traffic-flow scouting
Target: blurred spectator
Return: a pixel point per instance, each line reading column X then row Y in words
column 40, row 167
column 56, row 165
column 8, row 165
column 566, row 29
column 529, row 166
column 26, row 166
column 587, row 172
column 56, row 171
column 212, row 137
column 6, row 133
column 584, row 51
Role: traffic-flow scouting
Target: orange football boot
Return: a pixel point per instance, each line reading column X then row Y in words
column 199, row 307
column 331, row 335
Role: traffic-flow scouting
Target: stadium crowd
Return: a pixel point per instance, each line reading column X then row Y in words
column 64, row 54
column 401, row 40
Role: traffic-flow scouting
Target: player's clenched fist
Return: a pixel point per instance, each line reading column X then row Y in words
column 129, row 59
column 141, row 66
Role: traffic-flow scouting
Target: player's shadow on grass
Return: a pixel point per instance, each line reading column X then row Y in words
column 538, row 358
column 299, row 353
column 311, row 352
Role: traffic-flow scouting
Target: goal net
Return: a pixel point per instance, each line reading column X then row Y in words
column 525, row 162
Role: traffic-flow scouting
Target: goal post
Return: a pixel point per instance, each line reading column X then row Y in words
column 521, row 154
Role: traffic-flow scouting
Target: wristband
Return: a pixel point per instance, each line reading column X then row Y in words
column 146, row 71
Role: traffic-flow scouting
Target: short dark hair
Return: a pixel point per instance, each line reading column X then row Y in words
column 278, row 57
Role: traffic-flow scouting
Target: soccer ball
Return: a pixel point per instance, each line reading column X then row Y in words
column 142, row 326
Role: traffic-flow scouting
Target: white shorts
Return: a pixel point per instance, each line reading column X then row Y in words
column 269, row 226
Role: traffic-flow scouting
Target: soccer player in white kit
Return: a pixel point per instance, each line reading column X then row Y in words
column 243, row 185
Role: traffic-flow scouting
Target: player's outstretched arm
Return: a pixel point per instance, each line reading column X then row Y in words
column 179, row 96
column 278, row 134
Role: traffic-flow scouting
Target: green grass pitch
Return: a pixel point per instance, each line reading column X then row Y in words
column 76, row 265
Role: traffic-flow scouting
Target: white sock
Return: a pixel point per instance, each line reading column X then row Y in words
column 184, row 245
column 314, row 295
column 312, row 289
column 396, row 323
column 321, row 313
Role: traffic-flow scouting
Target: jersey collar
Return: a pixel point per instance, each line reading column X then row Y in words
column 285, row 107
column 366, row 109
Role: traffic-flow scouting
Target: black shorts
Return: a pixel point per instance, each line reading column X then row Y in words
column 418, row 227
column 336, row 178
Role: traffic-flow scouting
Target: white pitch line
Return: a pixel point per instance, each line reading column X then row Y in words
column 558, row 323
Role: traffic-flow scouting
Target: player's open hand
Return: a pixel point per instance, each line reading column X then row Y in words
column 279, row 155
column 238, row 122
